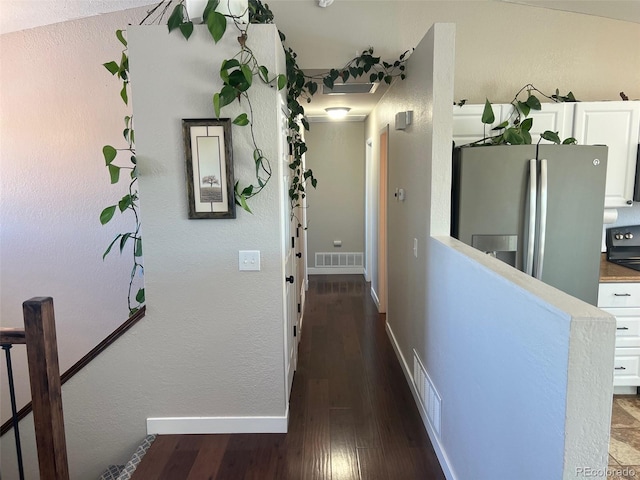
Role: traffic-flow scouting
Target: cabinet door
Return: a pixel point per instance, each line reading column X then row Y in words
column 557, row 117
column 468, row 126
column 615, row 124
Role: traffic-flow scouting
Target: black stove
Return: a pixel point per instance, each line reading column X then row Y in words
column 623, row 246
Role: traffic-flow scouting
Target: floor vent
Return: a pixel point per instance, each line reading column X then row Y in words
column 431, row 401
column 339, row 260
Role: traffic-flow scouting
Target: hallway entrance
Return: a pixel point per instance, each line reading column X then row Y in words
column 352, row 415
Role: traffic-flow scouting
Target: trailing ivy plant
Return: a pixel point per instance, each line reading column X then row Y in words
column 129, row 203
column 238, row 75
column 515, row 130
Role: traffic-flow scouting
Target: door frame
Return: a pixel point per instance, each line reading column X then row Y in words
column 383, row 190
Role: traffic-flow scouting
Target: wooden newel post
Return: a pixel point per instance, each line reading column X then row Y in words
column 46, row 393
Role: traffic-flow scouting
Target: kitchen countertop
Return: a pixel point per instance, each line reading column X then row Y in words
column 614, row 273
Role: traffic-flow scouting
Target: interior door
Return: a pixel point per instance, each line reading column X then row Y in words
column 289, row 239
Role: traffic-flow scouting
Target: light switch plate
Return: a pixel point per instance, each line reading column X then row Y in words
column 249, row 260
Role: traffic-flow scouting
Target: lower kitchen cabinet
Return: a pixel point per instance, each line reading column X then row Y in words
column 623, row 301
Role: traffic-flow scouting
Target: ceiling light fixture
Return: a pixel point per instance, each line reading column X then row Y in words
column 337, row 112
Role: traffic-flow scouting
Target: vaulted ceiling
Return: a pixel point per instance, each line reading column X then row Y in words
column 22, row 14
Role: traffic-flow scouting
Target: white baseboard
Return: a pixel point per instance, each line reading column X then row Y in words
column 437, row 446
column 211, row 425
column 335, row 271
column 376, row 300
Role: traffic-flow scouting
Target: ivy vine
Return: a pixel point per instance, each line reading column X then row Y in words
column 238, row 75
column 515, row 130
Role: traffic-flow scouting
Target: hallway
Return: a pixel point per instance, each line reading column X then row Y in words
column 352, row 415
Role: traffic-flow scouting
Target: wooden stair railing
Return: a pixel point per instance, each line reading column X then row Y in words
column 46, row 390
column 39, row 335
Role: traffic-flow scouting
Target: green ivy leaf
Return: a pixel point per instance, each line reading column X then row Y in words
column 124, row 203
column 246, row 71
column 216, row 104
column 176, row 18
column 526, row 137
column 140, row 296
column 109, row 154
column 113, row 67
column 123, row 94
column 211, row 7
column 186, row 29
column 551, row 136
column 107, row 214
column 282, row 81
column 328, row 82
column 120, row 37
column 501, row 125
column 241, row 120
column 526, row 124
column 534, row 103
column 513, row 137
column 312, row 87
column 138, row 248
column 487, row 115
column 264, row 73
column 106, row 252
column 114, row 173
column 570, row 141
column 217, row 25
column 524, row 108
column 123, row 241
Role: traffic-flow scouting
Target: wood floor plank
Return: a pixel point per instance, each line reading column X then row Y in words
column 351, row 413
column 372, row 464
column 207, row 463
column 156, row 457
column 316, row 464
column 344, row 457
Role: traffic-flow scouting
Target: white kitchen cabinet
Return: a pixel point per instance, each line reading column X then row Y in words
column 617, row 125
column 468, row 126
column 623, row 301
column 556, row 117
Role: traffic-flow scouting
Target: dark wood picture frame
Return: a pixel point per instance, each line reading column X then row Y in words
column 209, row 158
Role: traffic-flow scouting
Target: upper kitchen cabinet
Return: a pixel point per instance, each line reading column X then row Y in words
column 556, row 117
column 468, row 126
column 617, row 125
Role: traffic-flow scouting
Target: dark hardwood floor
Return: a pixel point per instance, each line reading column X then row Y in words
column 352, row 415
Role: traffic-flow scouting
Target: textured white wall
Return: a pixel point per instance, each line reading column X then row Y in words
column 336, row 207
column 211, row 344
column 500, row 46
column 59, row 107
column 518, row 363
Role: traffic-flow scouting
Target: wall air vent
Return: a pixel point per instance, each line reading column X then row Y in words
column 349, row 88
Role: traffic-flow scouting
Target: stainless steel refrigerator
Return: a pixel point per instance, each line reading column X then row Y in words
column 537, row 207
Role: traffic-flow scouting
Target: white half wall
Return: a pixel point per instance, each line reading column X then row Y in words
column 524, row 372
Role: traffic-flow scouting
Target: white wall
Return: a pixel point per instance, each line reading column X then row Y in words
column 59, row 107
column 211, row 344
column 336, row 208
column 523, row 370
column 500, row 46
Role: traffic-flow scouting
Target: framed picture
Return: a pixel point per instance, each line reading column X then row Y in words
column 209, row 156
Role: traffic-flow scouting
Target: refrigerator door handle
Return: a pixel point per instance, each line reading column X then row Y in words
column 543, row 219
column 531, row 237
